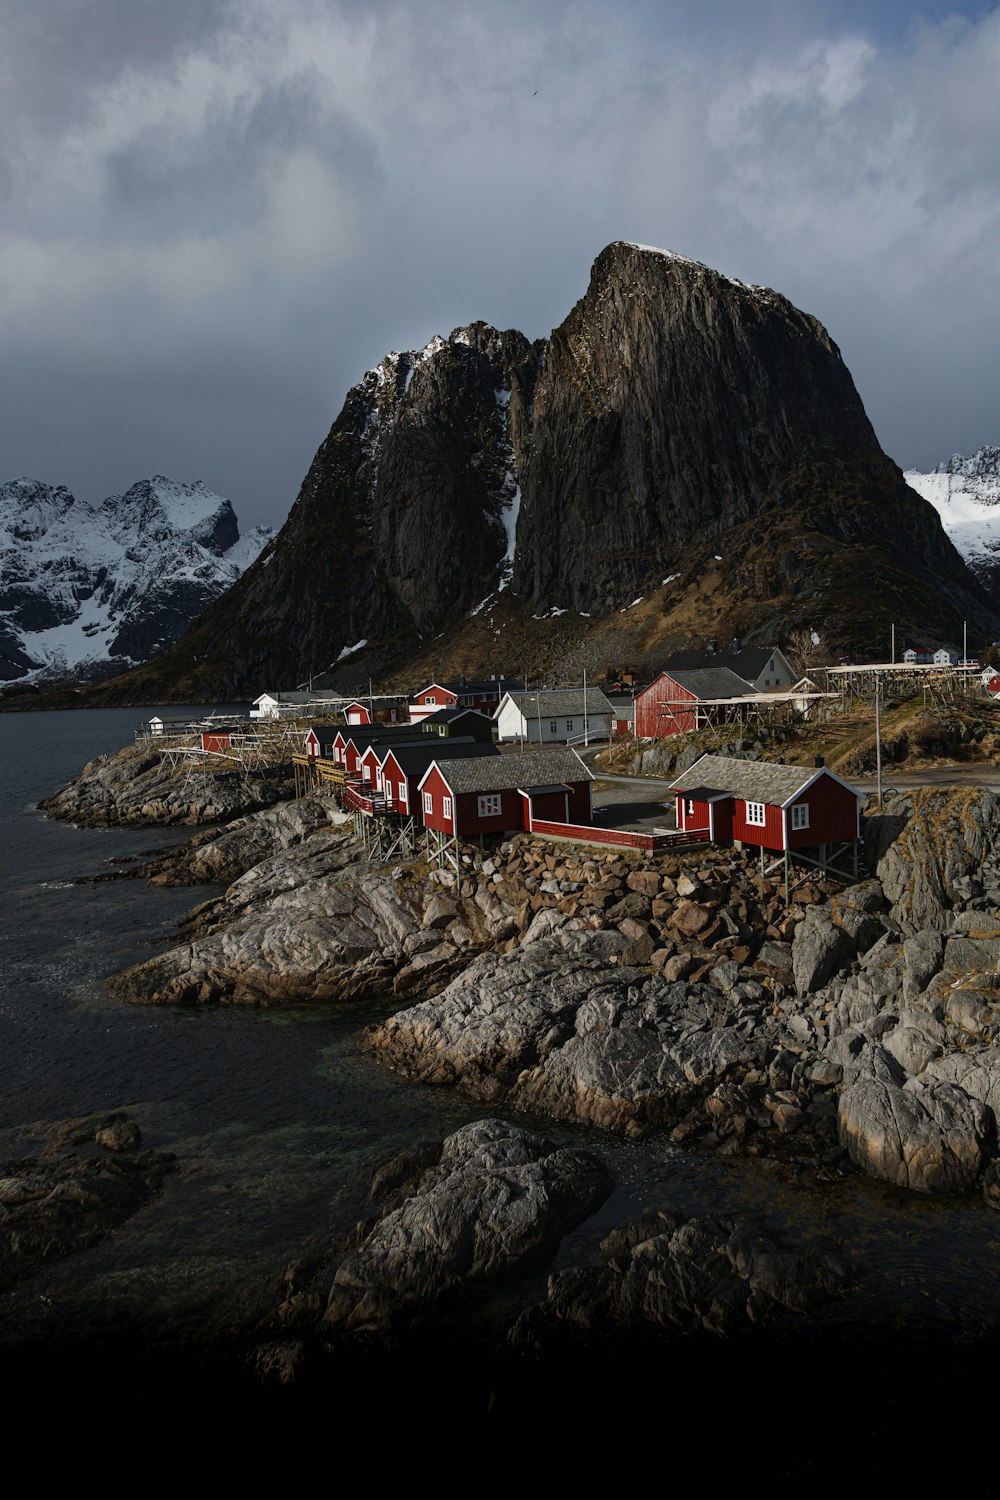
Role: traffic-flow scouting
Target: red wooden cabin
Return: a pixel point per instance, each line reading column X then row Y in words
column 768, row 806
column 504, row 793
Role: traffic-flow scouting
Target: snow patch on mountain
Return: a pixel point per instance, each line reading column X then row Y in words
column 87, row 589
column 965, row 492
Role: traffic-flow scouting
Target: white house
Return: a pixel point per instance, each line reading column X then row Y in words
column 562, row 715
column 293, row 705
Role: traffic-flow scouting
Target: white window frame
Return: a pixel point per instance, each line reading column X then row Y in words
column 403, row 798
column 490, row 805
column 553, row 726
column 446, row 807
column 428, row 802
column 757, row 814
column 800, row 816
column 689, row 810
column 569, row 726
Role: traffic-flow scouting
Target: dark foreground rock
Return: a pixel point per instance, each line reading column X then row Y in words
column 138, row 787
column 721, row 1275
column 74, row 1193
column 487, row 1204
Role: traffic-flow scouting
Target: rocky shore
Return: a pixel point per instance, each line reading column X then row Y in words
column 635, row 993
column 136, row 786
column 674, row 999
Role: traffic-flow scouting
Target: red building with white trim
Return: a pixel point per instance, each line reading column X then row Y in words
column 780, row 808
column 504, row 794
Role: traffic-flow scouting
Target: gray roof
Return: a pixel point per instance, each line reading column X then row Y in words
column 745, row 661
column 753, row 780
column 712, row 682
column 530, row 768
column 561, row 703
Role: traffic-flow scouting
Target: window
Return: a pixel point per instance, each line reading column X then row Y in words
column 756, row 814
column 428, row 803
column 446, row 807
column 402, row 794
column 800, row 815
column 489, row 807
column 690, row 807
column 569, row 726
column 552, row 726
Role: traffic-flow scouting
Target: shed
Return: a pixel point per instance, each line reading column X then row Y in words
column 682, row 699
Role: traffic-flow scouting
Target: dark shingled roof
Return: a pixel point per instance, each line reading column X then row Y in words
column 747, row 661
column 560, row 703
column 530, row 769
column 712, row 682
column 753, row 780
column 413, row 758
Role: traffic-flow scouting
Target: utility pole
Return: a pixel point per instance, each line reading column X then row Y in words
column 586, row 721
column 878, row 741
column 893, row 645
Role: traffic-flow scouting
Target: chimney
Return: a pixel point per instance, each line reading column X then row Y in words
column 713, row 646
column 820, row 762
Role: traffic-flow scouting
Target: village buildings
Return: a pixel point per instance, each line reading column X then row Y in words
column 466, row 798
column 559, row 715
column 484, row 696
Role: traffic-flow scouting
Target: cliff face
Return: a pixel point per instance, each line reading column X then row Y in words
column 676, row 415
column 689, row 404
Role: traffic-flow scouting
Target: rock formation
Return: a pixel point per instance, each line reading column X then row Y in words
column 676, row 414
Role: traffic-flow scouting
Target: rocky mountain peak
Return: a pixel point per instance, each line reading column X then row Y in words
column 678, row 421
column 87, row 589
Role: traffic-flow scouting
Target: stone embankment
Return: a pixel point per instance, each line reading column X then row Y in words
column 137, row 786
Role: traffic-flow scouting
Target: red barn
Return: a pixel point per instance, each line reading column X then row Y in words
column 505, row 793
column 781, row 808
column 357, row 713
column 678, row 701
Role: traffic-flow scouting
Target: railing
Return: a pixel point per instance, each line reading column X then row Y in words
column 360, row 797
column 618, row 837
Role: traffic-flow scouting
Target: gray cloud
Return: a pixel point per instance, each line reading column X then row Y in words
column 218, row 215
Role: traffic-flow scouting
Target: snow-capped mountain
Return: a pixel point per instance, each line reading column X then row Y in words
column 90, row 589
column 965, row 492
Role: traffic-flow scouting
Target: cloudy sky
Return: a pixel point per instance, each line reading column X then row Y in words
column 219, row 213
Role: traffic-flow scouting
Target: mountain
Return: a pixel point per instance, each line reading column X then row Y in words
column 87, row 590
column 965, row 492
column 685, row 456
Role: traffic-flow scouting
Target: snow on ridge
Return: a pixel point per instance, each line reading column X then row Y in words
column 94, row 580
column 966, row 495
column 350, row 650
column 761, row 292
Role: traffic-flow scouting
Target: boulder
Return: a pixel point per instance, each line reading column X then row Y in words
column 931, row 1139
column 495, row 1204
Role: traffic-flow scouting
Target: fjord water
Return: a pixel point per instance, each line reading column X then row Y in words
column 276, row 1117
